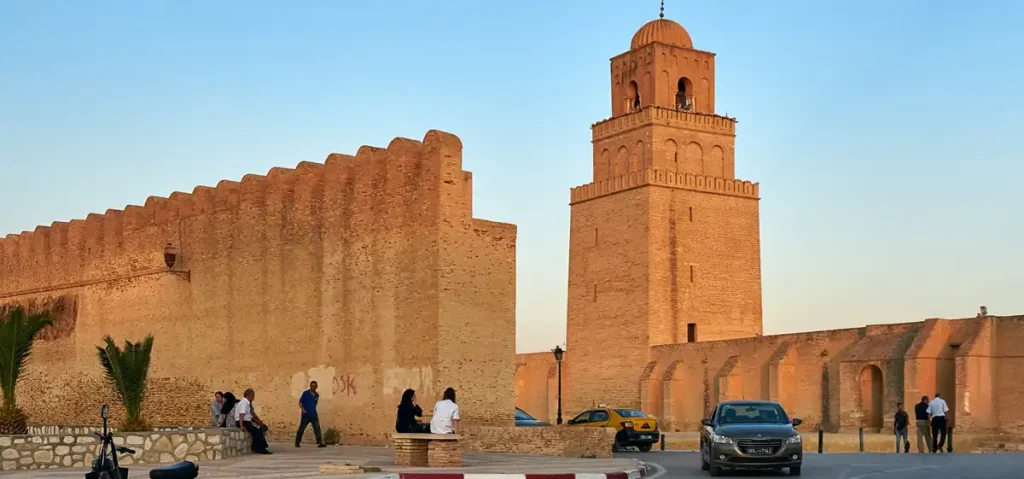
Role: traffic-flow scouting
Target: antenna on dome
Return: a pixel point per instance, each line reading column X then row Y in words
column 662, row 14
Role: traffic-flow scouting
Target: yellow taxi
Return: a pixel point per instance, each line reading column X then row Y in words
column 633, row 428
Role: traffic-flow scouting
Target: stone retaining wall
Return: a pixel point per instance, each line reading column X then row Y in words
column 590, row 442
column 77, row 446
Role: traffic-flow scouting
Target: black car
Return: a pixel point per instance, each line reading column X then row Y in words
column 524, row 420
column 750, row 435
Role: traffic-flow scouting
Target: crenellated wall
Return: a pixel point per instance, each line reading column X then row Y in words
column 840, row 380
column 366, row 273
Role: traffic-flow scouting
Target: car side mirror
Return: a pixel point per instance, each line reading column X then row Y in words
column 706, row 422
column 797, row 422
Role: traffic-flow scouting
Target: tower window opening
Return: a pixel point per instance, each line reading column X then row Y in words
column 684, row 94
column 634, row 96
column 691, row 332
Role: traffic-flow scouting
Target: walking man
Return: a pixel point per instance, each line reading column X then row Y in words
column 937, row 409
column 921, row 418
column 901, row 425
column 307, row 404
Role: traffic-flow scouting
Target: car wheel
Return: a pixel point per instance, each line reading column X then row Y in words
column 794, row 470
column 716, row 471
column 704, row 464
column 645, row 447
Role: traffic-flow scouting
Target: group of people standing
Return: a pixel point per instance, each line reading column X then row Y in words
column 928, row 415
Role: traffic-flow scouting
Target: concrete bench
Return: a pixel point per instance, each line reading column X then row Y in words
column 427, row 450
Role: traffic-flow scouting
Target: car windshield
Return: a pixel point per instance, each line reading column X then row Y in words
column 522, row 416
column 627, row 413
column 766, row 413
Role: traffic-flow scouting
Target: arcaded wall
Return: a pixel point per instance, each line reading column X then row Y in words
column 537, row 386
column 352, row 273
column 1007, row 386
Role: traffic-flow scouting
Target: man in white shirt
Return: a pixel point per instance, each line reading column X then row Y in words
column 245, row 416
column 937, row 410
column 446, row 415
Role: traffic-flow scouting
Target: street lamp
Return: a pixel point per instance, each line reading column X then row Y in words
column 558, row 358
column 171, row 258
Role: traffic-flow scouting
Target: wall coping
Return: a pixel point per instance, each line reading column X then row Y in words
column 670, row 179
column 653, row 114
column 427, row 437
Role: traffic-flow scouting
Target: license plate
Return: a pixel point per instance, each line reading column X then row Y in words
column 646, row 437
column 759, row 451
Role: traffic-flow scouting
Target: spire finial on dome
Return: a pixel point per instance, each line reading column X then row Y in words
column 662, row 14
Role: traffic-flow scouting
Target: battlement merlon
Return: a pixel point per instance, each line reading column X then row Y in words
column 668, row 179
column 434, row 164
column 656, row 115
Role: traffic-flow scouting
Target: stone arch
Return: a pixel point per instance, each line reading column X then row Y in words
column 633, row 99
column 638, row 157
column 684, row 94
column 715, row 164
column 871, row 392
column 649, row 86
column 621, row 162
column 704, row 102
column 604, row 164
column 694, row 162
column 650, row 390
column 682, row 403
column 664, row 86
column 672, row 155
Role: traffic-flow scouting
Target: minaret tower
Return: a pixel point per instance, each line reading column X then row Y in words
column 664, row 244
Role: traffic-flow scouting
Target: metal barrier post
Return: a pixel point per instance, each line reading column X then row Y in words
column 662, row 442
column 821, row 440
column 862, row 439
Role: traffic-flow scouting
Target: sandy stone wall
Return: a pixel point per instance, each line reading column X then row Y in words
column 542, row 441
column 78, row 447
column 366, row 273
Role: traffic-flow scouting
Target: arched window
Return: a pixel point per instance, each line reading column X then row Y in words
column 634, row 96
column 684, row 94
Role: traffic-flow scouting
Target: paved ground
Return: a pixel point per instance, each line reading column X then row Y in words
column 860, row 466
column 289, row 462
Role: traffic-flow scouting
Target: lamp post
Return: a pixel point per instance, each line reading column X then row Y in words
column 558, row 358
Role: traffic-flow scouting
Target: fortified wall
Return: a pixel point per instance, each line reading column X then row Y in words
column 839, row 380
column 366, row 273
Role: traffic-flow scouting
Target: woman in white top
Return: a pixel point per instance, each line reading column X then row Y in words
column 446, row 415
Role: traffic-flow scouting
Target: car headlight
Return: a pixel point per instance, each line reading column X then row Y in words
column 721, row 439
column 794, row 440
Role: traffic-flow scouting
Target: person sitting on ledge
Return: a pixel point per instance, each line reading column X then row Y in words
column 247, row 419
column 446, row 415
column 216, row 416
column 227, row 410
column 408, row 411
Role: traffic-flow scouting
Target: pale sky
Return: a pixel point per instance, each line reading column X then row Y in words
column 885, row 135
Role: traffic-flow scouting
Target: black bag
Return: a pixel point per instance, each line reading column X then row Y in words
column 181, row 470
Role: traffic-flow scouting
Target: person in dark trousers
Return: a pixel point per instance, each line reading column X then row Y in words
column 937, row 410
column 307, row 404
column 245, row 416
column 901, row 425
column 921, row 420
column 408, row 411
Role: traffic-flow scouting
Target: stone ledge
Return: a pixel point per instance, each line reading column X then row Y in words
column 24, row 452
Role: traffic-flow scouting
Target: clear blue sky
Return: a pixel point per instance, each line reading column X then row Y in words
column 885, row 135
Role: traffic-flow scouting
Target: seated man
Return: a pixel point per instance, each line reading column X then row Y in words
column 245, row 416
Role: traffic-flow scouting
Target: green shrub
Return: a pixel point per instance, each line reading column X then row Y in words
column 127, row 370
column 17, row 334
column 332, row 436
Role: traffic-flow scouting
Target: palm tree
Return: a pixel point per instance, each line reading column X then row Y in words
column 126, row 371
column 17, row 333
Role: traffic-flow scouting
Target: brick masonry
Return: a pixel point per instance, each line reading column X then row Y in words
column 664, row 307
column 366, row 273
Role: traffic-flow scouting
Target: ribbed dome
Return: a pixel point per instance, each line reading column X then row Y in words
column 661, row 31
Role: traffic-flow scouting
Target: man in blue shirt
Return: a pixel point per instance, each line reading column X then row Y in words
column 307, row 404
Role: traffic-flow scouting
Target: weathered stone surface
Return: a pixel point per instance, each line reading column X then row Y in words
column 180, row 450
column 134, row 440
column 62, row 450
column 85, row 440
column 177, row 439
column 5, row 441
column 68, row 440
column 165, row 458
column 214, row 439
column 66, row 461
column 78, row 449
column 163, row 445
column 196, row 447
column 10, row 465
column 10, row 454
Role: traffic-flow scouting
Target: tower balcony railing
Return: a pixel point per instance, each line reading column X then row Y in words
column 652, row 114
